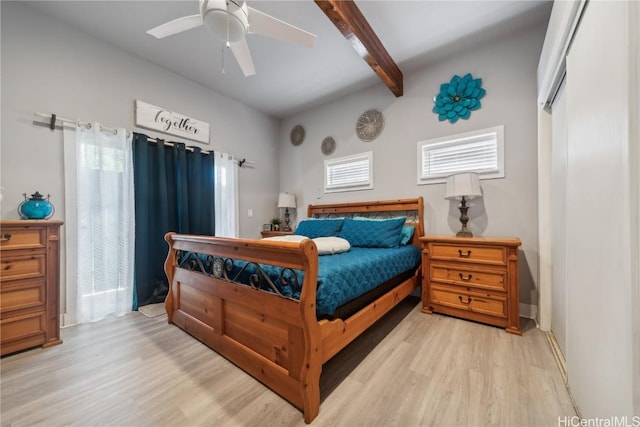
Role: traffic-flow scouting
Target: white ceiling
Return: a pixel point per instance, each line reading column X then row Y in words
column 290, row 78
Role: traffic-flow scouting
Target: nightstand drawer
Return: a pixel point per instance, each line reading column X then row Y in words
column 17, row 295
column 23, row 267
column 457, row 274
column 495, row 255
column 478, row 303
column 23, row 238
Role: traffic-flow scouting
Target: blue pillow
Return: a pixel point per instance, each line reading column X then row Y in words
column 407, row 230
column 373, row 234
column 407, row 234
column 313, row 228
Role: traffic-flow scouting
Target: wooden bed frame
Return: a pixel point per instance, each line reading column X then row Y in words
column 277, row 340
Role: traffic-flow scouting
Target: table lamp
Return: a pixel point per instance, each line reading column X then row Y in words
column 286, row 201
column 463, row 186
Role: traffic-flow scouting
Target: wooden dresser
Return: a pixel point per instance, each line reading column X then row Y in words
column 29, row 284
column 474, row 278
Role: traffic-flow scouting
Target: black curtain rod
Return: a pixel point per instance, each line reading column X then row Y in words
column 53, row 118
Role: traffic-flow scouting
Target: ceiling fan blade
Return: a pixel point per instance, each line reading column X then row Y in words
column 176, row 26
column 240, row 50
column 266, row 25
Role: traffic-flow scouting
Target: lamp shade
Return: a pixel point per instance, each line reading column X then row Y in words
column 463, row 184
column 286, row 200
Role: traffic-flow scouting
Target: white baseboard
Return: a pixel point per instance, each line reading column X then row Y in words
column 67, row 320
column 529, row 311
column 557, row 354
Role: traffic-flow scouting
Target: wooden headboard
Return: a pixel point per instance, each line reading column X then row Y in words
column 413, row 209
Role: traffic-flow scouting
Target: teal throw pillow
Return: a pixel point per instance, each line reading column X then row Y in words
column 406, row 234
column 373, row 234
column 407, row 230
column 313, row 228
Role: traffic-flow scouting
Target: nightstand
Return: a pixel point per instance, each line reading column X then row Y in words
column 275, row 233
column 474, row 278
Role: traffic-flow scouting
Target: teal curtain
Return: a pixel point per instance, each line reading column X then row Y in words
column 174, row 191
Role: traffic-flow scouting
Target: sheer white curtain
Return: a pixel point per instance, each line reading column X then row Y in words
column 99, row 223
column 226, row 195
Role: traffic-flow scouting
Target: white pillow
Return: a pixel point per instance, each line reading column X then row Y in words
column 331, row 245
column 287, row 238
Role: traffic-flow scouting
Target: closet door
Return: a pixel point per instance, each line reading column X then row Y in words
column 599, row 224
column 559, row 219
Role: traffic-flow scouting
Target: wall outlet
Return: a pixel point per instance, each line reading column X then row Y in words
column 250, row 213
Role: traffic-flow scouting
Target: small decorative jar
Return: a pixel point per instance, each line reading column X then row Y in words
column 36, row 207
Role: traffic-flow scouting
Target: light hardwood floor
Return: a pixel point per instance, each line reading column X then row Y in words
column 410, row 369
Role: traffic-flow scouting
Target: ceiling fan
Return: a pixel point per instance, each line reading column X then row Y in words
column 231, row 21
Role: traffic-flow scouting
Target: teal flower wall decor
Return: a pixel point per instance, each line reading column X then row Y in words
column 458, row 98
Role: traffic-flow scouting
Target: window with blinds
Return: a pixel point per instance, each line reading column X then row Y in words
column 349, row 173
column 480, row 151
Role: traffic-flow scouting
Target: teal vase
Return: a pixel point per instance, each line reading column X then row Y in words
column 36, row 207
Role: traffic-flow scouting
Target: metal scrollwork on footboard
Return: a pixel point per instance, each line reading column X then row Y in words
column 282, row 281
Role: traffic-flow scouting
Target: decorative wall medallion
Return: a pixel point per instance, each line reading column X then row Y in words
column 370, row 125
column 328, row 146
column 458, row 98
column 297, row 135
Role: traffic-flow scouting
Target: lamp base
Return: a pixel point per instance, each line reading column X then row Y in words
column 464, row 218
column 286, row 220
column 464, row 233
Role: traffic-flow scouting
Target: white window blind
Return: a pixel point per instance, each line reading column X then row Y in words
column 349, row 173
column 478, row 151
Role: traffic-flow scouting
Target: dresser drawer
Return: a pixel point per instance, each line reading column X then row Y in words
column 449, row 296
column 23, row 326
column 22, row 267
column 17, row 295
column 460, row 274
column 23, row 238
column 495, row 255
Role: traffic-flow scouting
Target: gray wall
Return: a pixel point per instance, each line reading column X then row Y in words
column 509, row 206
column 51, row 68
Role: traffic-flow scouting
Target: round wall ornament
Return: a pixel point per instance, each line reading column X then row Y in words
column 328, row 146
column 458, row 98
column 370, row 125
column 297, row 135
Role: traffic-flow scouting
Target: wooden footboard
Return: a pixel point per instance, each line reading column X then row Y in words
column 275, row 339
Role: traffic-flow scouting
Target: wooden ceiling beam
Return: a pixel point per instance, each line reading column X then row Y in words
column 350, row 21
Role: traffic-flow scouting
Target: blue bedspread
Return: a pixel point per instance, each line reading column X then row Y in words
column 343, row 277
column 346, row 276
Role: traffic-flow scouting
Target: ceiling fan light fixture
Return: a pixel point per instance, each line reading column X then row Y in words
column 228, row 21
column 217, row 20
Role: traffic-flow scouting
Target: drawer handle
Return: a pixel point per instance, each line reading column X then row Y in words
column 465, row 278
column 6, row 237
column 464, row 302
column 465, row 255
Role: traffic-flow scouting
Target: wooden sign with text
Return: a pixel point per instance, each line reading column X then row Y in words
column 166, row 121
